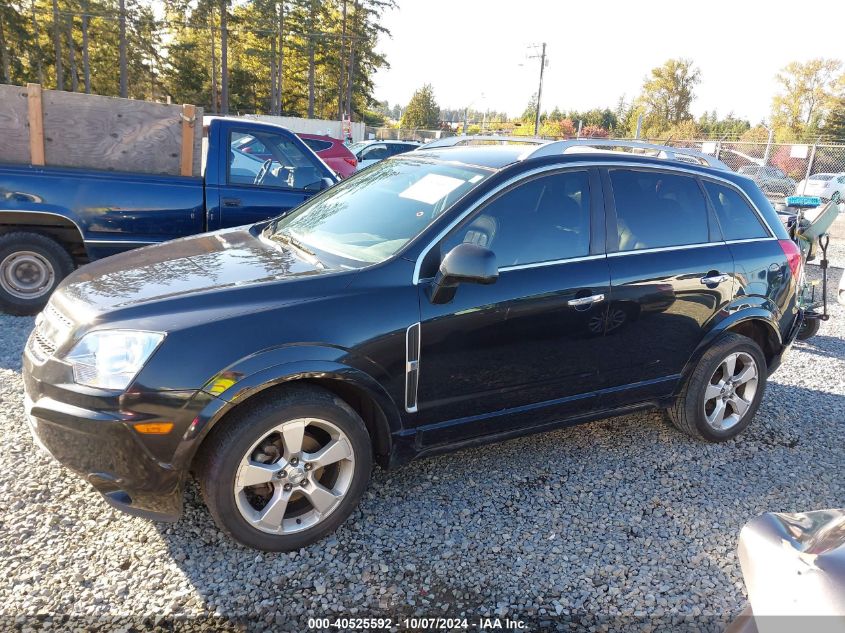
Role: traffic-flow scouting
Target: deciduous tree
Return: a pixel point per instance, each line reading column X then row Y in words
column 807, row 93
column 668, row 93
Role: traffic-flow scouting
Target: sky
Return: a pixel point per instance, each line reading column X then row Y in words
column 471, row 50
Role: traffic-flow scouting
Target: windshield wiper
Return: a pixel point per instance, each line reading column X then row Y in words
column 287, row 238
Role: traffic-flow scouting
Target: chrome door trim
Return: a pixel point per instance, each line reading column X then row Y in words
column 664, row 249
column 752, row 239
column 553, row 262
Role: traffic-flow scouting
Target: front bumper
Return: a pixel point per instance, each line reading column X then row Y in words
column 92, row 433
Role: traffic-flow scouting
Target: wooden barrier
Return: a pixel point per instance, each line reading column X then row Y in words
column 71, row 129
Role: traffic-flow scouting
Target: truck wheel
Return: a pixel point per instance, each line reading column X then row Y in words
column 809, row 328
column 724, row 390
column 287, row 470
column 31, row 266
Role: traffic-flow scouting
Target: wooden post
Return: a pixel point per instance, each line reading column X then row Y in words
column 189, row 116
column 36, row 124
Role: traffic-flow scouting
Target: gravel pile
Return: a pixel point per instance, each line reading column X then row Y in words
column 624, row 518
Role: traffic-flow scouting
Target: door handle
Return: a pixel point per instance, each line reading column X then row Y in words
column 714, row 280
column 231, row 202
column 585, row 301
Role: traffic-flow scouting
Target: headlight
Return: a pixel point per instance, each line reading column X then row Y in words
column 110, row 359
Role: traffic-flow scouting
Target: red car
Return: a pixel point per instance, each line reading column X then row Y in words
column 333, row 152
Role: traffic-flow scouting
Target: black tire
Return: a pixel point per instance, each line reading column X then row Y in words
column 50, row 261
column 688, row 411
column 809, row 328
column 223, row 450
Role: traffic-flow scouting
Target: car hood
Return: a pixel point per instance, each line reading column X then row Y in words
column 198, row 271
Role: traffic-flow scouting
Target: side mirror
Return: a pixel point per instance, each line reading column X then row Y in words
column 464, row 264
column 320, row 185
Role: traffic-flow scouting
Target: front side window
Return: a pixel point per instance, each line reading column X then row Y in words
column 657, row 210
column 544, row 219
column 369, row 217
column 269, row 160
column 737, row 219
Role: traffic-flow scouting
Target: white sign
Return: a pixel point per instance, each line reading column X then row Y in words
column 708, row 148
column 799, row 151
column 431, row 188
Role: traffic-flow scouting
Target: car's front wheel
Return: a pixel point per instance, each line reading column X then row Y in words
column 31, row 266
column 286, row 470
column 724, row 390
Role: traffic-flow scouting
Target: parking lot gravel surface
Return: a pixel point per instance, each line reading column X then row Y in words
column 623, row 518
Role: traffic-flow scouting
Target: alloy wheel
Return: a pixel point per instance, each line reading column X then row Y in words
column 730, row 391
column 294, row 476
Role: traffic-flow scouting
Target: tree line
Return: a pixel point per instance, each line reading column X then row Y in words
column 313, row 58
column 809, row 106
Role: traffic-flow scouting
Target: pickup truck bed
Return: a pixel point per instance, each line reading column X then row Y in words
column 53, row 219
column 111, row 212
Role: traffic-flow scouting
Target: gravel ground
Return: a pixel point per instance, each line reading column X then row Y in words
column 623, row 518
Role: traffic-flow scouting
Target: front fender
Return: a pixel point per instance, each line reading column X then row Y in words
column 233, row 387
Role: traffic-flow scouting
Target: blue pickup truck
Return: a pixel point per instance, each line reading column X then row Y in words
column 55, row 219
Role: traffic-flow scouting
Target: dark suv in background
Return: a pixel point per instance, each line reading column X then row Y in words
column 440, row 299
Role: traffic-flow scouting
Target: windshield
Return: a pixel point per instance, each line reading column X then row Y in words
column 356, row 147
column 369, row 217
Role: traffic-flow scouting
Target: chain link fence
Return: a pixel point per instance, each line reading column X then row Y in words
column 405, row 134
column 780, row 169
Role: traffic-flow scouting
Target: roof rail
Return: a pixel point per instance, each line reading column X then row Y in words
column 478, row 139
column 666, row 152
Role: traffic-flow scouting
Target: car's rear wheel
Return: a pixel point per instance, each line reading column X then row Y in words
column 722, row 393
column 287, row 470
column 31, row 266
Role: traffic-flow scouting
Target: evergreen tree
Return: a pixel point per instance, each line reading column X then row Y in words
column 422, row 110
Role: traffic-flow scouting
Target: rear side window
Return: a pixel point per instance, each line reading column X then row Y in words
column 544, row 219
column 737, row 219
column 399, row 148
column 658, row 209
column 317, row 145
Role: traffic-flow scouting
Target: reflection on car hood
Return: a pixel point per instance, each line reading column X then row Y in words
column 229, row 259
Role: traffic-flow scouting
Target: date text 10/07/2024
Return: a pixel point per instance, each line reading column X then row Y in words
column 416, row 623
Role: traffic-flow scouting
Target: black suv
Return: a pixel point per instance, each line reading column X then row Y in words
column 439, row 299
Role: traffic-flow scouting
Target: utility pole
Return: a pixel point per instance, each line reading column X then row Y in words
column 768, row 144
column 542, row 57
column 224, row 58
